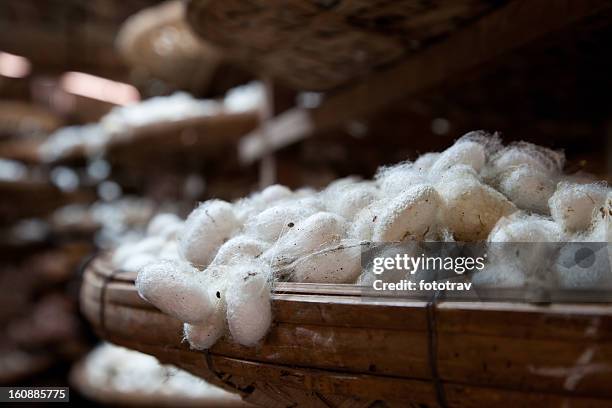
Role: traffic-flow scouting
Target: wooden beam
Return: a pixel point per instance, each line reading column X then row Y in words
column 514, row 25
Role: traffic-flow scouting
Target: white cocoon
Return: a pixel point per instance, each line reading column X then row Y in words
column 136, row 262
column 172, row 287
column 249, row 312
column 269, row 225
column 206, row 229
column 394, row 180
column 522, row 153
column 350, row 199
column 308, row 236
column 462, row 152
column 527, row 187
column 238, row 249
column 170, row 251
column 147, row 246
column 165, row 225
column 274, row 193
column 362, row 226
column 409, row 216
column 520, row 227
column 572, row 205
column 204, row 335
column 424, row 163
column 469, row 207
column 337, row 264
column 499, row 275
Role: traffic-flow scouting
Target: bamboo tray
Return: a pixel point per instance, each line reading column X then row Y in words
column 159, row 41
column 330, row 347
column 327, row 43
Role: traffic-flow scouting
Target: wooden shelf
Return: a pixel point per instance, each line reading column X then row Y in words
column 329, row 343
column 475, row 46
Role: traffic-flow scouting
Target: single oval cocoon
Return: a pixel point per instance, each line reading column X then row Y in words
column 271, row 224
column 601, row 225
column 146, row 246
column 525, row 228
column 308, row 236
column 165, row 225
column 394, row 180
column 172, row 287
column 424, row 163
column 205, row 230
column 572, row 205
column 170, row 251
column 362, row 226
column 527, row 187
column 522, row 153
column 274, row 193
column 204, row 336
column 349, row 200
column 238, row 249
column 249, row 313
column 408, row 216
column 498, row 275
column 462, row 152
column 338, row 264
column 136, row 262
column 470, row 208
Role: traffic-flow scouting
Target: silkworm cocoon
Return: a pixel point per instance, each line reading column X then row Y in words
column 337, row 264
column 274, row 193
column 362, row 226
column 527, row 187
column 147, row 246
column 470, row 208
column 205, row 230
column 520, row 227
column 203, row 336
column 409, row 216
column 249, row 312
column 490, row 142
column 462, row 152
column 172, row 286
column 304, row 192
column 601, row 224
column 522, row 153
column 572, row 205
column 136, row 262
column 424, row 163
column 240, row 248
column 170, row 251
column 271, row 224
column 525, row 241
column 350, row 199
column 165, row 225
column 498, row 275
column 310, row 235
column 394, row 180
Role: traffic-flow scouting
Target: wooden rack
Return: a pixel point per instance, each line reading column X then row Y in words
column 330, row 346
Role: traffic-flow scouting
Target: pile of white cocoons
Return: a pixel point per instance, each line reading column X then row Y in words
column 215, row 270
